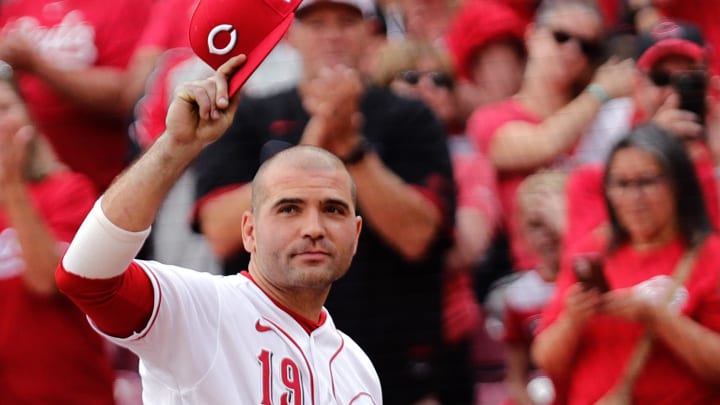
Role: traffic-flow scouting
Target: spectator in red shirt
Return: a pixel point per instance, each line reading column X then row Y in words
column 559, row 98
column 485, row 40
column 71, row 59
column 657, row 219
column 48, row 352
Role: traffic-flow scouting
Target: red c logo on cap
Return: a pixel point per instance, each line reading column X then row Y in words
column 214, row 32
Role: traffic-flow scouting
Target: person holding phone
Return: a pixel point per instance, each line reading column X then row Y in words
column 671, row 89
column 657, row 216
column 673, row 78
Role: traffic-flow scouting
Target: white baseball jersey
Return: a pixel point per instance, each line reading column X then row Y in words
column 221, row 340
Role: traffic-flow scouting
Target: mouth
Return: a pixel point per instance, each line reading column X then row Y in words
column 312, row 255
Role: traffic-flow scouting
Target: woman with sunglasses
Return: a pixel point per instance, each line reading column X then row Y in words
column 423, row 72
column 641, row 325
column 562, row 92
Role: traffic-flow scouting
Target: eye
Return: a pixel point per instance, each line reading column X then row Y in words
column 288, row 209
column 336, row 209
column 348, row 21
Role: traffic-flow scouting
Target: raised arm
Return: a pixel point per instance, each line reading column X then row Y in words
column 113, row 291
column 199, row 114
column 521, row 145
column 98, row 88
column 38, row 247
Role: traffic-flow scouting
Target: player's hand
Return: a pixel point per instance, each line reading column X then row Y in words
column 681, row 123
column 333, row 101
column 202, row 110
column 616, row 77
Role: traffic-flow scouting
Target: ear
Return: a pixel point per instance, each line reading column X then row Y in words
column 358, row 228
column 530, row 31
column 291, row 34
column 248, row 231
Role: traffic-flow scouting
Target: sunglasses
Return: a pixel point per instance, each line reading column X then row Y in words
column 593, row 50
column 439, row 79
column 660, row 78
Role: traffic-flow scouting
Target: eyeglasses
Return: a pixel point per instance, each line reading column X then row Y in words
column 593, row 50
column 439, row 79
column 619, row 187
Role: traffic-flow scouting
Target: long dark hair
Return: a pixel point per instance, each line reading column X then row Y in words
column 692, row 217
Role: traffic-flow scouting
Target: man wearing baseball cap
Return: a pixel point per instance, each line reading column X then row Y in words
column 486, row 42
column 389, row 301
column 666, row 55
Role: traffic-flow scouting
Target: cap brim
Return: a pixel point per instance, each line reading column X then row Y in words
column 258, row 55
column 670, row 47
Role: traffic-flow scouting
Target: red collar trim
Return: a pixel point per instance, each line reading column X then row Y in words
column 308, row 325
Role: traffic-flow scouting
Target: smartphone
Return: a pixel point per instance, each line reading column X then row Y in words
column 691, row 86
column 589, row 270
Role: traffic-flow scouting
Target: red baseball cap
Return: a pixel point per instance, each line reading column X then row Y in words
column 669, row 38
column 477, row 24
column 221, row 29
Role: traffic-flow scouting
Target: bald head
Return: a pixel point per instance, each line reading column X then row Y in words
column 299, row 158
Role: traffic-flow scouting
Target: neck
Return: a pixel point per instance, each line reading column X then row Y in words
column 305, row 302
column 660, row 239
column 548, row 269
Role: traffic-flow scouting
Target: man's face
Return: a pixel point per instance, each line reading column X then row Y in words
column 330, row 34
column 649, row 94
column 497, row 70
column 565, row 46
column 303, row 233
column 542, row 216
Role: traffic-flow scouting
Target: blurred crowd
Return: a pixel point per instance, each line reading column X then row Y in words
column 538, row 182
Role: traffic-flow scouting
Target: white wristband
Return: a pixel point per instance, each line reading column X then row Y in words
column 100, row 248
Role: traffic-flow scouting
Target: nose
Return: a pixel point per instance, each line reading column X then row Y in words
column 313, row 226
column 331, row 31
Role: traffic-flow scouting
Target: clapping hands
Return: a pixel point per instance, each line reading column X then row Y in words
column 333, row 101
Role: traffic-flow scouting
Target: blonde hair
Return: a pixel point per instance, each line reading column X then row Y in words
column 398, row 56
column 548, row 182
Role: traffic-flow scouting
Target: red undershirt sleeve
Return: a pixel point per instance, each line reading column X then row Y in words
column 119, row 306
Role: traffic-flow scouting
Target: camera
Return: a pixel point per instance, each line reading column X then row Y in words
column 691, row 87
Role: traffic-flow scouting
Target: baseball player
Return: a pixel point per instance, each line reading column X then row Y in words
column 260, row 337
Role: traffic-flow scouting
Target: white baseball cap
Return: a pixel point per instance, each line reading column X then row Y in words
column 366, row 7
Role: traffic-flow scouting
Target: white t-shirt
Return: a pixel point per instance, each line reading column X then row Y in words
column 221, row 340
